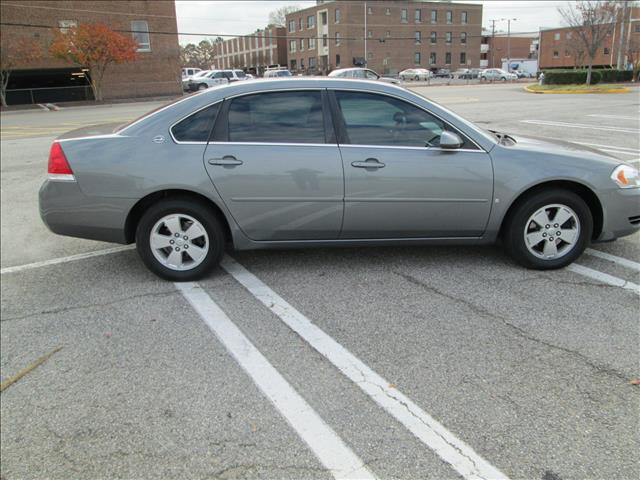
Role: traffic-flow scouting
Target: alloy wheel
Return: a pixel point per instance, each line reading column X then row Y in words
column 552, row 231
column 179, row 242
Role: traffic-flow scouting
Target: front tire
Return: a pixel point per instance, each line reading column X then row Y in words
column 202, row 86
column 180, row 240
column 548, row 230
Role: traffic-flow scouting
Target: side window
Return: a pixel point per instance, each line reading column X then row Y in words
column 371, row 75
column 196, row 127
column 372, row 119
column 278, row 117
column 218, row 75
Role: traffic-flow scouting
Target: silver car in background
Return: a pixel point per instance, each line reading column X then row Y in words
column 317, row 162
column 362, row 74
column 416, row 74
column 497, row 74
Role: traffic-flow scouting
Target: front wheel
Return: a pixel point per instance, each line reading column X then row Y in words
column 416, row 78
column 202, row 86
column 180, row 239
column 548, row 230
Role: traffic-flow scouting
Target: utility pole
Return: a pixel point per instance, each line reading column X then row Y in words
column 509, row 41
column 621, row 45
column 365, row 34
column 493, row 40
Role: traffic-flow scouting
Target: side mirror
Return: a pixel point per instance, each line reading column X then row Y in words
column 450, row 140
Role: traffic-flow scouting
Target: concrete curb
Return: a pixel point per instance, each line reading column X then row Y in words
column 578, row 92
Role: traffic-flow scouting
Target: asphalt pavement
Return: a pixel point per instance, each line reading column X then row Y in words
column 398, row 363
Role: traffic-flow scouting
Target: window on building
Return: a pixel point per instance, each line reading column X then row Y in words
column 292, row 46
column 556, row 36
column 418, row 15
column 369, row 34
column 433, row 58
column 337, row 16
column 196, row 127
column 606, row 51
column 311, row 21
column 294, row 65
column 302, row 64
column 388, row 33
column 434, row 16
column 463, row 37
column 292, row 25
column 418, row 37
column 337, row 60
column 65, row 25
column 140, row 32
column 447, row 58
column 324, row 40
column 300, row 24
column 434, row 38
column 323, row 18
column 312, row 62
column 337, row 39
column 369, row 55
column 403, row 15
column 463, row 58
column 555, row 54
column 369, row 11
column 302, row 44
column 566, row 53
column 277, row 117
column 312, row 43
column 463, row 17
column 448, row 37
column 637, row 28
column 416, row 58
column 449, row 16
column 569, row 35
column 387, row 11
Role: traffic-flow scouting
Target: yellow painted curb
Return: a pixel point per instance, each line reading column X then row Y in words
column 578, row 92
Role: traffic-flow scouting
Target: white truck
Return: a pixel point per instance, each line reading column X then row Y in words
column 523, row 67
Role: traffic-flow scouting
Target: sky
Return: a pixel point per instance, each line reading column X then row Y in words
column 242, row 17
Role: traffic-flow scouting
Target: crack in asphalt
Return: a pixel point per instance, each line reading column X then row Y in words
column 484, row 312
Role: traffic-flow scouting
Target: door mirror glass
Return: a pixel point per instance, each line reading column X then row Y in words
column 450, row 140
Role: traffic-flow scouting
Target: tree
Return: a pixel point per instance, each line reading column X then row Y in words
column 13, row 52
column 590, row 21
column 633, row 54
column 96, row 47
column 278, row 17
column 202, row 55
column 575, row 47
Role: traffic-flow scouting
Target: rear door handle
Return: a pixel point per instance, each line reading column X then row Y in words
column 226, row 161
column 368, row 163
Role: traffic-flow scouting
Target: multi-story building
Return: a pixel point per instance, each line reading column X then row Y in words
column 495, row 49
column 560, row 47
column 155, row 73
column 387, row 36
column 253, row 52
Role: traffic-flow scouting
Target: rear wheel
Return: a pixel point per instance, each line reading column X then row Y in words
column 202, row 86
column 180, row 239
column 548, row 230
column 416, row 78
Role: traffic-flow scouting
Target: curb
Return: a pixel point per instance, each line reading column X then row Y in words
column 578, row 92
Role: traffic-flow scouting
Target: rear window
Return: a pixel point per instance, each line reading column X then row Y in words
column 196, row 127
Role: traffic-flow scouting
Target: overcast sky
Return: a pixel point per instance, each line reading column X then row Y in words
column 242, row 17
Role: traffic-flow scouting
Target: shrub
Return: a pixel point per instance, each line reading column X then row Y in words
column 612, row 75
column 566, row 77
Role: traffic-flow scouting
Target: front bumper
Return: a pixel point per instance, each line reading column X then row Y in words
column 621, row 213
column 65, row 210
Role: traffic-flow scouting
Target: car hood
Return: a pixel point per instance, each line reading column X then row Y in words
column 92, row 130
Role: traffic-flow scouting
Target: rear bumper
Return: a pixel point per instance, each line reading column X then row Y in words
column 65, row 210
column 621, row 212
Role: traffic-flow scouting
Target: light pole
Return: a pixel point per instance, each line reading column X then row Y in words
column 509, row 40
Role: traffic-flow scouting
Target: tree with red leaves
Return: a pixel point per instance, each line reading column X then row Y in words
column 95, row 47
column 15, row 51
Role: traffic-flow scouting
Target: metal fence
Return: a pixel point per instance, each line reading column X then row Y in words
column 19, row 96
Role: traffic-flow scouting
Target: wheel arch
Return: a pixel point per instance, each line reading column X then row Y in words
column 583, row 191
column 141, row 206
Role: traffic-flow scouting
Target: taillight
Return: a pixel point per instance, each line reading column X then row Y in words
column 58, row 165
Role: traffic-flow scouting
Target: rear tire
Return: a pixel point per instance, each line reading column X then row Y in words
column 180, row 239
column 202, row 86
column 531, row 229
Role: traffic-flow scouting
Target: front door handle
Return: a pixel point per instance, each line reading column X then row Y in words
column 226, row 161
column 368, row 163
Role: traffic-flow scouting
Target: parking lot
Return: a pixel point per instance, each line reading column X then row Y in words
column 430, row 363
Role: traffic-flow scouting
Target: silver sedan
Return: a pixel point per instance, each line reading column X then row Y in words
column 328, row 162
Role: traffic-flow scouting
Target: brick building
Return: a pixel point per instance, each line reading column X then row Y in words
column 399, row 35
column 155, row 73
column 559, row 48
column 496, row 48
column 253, row 52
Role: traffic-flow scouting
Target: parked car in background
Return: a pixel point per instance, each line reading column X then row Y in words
column 497, row 74
column 442, row 73
column 461, row 73
column 278, row 72
column 187, row 80
column 212, row 78
column 415, row 74
column 523, row 74
column 190, row 71
column 234, row 75
column 326, row 162
column 362, row 74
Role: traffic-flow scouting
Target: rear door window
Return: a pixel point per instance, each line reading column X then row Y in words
column 277, row 117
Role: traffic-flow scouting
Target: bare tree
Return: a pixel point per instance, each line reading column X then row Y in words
column 278, row 17
column 590, row 21
column 575, row 47
column 633, row 54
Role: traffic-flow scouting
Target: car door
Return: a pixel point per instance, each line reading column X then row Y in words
column 398, row 182
column 275, row 162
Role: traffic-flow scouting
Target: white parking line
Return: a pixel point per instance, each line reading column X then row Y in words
column 604, row 277
column 326, row 445
column 612, row 258
column 621, row 117
column 433, row 434
column 581, row 125
column 71, row 258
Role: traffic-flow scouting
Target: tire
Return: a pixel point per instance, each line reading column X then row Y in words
column 503, row 79
column 416, row 78
column 202, row 86
column 208, row 239
column 521, row 232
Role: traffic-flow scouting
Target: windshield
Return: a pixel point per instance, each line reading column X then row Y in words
column 284, row 73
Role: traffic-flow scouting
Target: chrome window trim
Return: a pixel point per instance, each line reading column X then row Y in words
column 278, row 144
column 402, row 147
column 184, row 118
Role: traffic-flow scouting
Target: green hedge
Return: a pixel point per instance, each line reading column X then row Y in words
column 609, row 75
column 567, row 77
